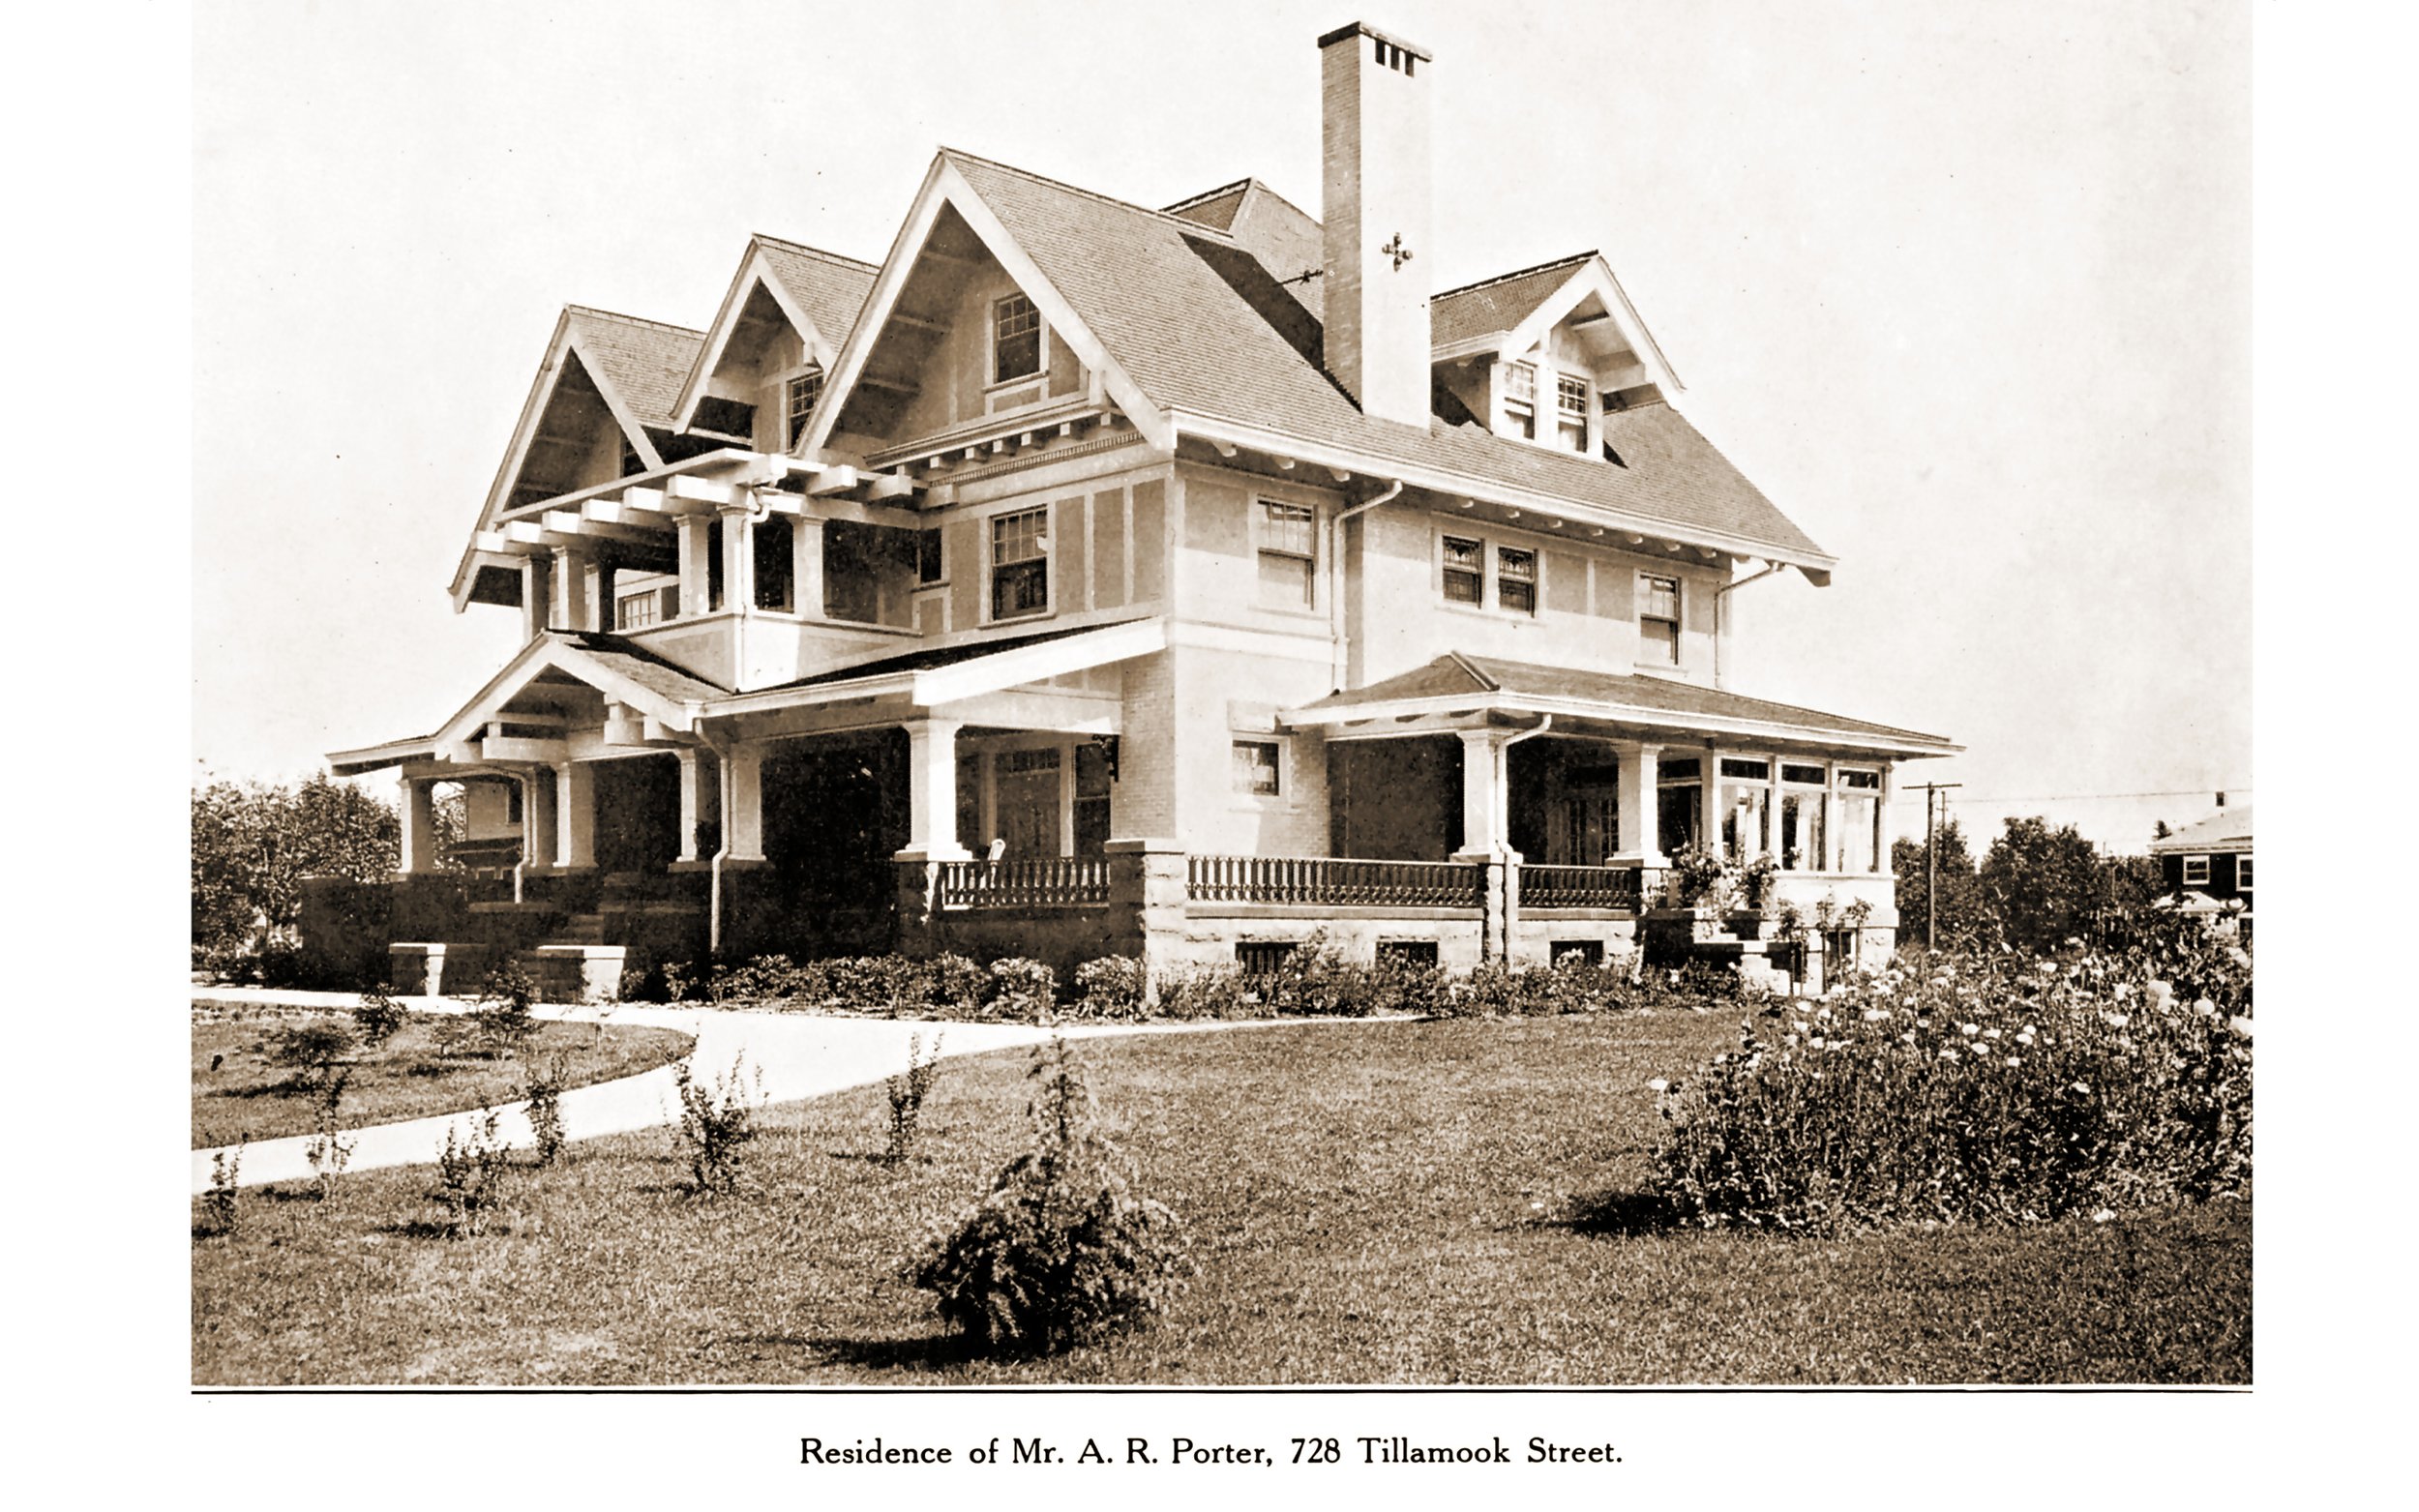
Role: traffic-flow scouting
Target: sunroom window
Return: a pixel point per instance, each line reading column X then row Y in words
column 1859, row 821
column 1802, row 818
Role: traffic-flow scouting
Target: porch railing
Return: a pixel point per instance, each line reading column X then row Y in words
column 1317, row 880
column 1050, row 882
column 1578, row 887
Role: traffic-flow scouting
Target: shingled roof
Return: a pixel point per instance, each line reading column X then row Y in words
column 1496, row 304
column 1459, row 674
column 1200, row 325
column 829, row 289
column 645, row 361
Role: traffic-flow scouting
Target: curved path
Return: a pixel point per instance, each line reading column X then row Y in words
column 800, row 1055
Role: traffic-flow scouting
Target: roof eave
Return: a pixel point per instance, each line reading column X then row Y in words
column 1912, row 746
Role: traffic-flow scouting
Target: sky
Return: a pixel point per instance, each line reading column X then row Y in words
column 1963, row 287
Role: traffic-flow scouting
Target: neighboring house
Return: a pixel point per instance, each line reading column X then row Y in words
column 1087, row 576
column 2205, row 868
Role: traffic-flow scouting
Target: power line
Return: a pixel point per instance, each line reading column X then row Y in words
column 2077, row 797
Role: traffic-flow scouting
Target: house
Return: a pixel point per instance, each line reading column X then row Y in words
column 2205, row 868
column 1085, row 577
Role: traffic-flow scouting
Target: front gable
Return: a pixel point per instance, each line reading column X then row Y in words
column 777, row 331
column 963, row 326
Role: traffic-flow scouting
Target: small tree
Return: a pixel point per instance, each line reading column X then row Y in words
column 253, row 843
column 1960, row 915
column 2042, row 885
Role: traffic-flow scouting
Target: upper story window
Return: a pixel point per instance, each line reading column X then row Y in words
column 1520, row 399
column 2196, row 871
column 799, row 403
column 1658, row 619
column 1516, row 579
column 1289, row 555
column 1015, row 340
column 1464, row 569
column 1020, row 563
column 1570, row 412
column 635, row 610
column 2242, row 873
column 928, row 568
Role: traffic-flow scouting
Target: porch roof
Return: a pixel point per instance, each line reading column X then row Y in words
column 936, row 676
column 1458, row 683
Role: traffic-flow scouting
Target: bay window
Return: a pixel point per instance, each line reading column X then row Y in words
column 1859, row 821
column 1802, row 789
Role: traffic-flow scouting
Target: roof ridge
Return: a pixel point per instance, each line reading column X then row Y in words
column 1506, row 278
column 616, row 314
column 1223, row 189
column 1476, row 675
column 1088, row 193
column 788, row 245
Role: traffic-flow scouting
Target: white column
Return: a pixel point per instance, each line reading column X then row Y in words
column 536, row 608
column 575, row 815
column 1482, row 806
column 1710, row 790
column 739, row 560
column 932, row 791
column 1640, row 845
column 743, row 802
column 571, row 590
column 419, row 849
column 601, row 578
column 806, row 566
column 1885, row 831
column 693, row 780
column 693, row 569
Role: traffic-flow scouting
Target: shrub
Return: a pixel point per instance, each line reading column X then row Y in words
column 471, row 1170
column 1992, row 1089
column 1218, row 991
column 503, row 1020
column 379, row 1017
column 717, row 1119
column 1020, row 988
column 313, row 1049
column 544, row 1088
column 329, row 1152
column 1062, row 1252
column 955, row 985
column 907, row 1096
column 1111, row 987
column 221, row 1198
column 1700, row 875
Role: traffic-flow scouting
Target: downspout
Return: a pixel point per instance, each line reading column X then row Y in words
column 722, row 840
column 759, row 509
column 1336, row 574
column 1503, row 797
column 1718, row 595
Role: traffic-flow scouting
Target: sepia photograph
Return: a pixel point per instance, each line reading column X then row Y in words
column 943, row 696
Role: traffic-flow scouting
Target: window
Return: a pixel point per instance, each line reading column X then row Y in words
column 1092, row 799
column 1520, row 399
column 1746, row 789
column 1516, row 579
column 1570, row 412
column 634, row 610
column 799, row 400
column 1658, row 619
column 1289, row 555
column 928, row 560
column 1465, row 566
column 776, row 563
column 2242, row 873
column 512, row 803
column 1802, row 818
column 2196, row 871
column 1678, row 809
column 1015, row 340
column 1407, row 952
column 1263, row 956
column 1020, row 563
column 1859, row 821
column 1256, row 767
column 1587, row 951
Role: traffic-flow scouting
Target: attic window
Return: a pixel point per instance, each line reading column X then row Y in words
column 799, row 396
column 1520, row 399
column 1015, row 340
column 1570, row 411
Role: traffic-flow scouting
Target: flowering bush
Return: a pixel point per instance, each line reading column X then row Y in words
column 1983, row 1089
column 1111, row 987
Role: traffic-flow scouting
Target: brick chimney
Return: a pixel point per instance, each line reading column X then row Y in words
column 1374, row 182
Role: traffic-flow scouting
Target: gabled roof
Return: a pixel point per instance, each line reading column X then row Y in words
column 2227, row 829
column 638, row 363
column 1459, row 680
column 816, row 292
column 1496, row 304
column 1288, row 241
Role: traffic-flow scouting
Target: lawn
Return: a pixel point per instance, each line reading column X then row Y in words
column 248, row 1096
column 1399, row 1201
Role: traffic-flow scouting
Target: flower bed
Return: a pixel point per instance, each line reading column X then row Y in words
column 1986, row 1089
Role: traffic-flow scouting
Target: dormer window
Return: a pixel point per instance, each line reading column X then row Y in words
column 799, row 403
column 1570, row 412
column 1015, row 340
column 1520, row 399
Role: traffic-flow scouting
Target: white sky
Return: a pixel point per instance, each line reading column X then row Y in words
column 1963, row 287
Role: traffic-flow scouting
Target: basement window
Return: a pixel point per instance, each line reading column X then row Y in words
column 1015, row 340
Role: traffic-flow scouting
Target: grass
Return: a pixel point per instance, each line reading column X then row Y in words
column 1433, row 1202
column 250, row 1097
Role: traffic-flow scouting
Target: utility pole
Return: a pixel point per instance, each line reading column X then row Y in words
column 1932, row 865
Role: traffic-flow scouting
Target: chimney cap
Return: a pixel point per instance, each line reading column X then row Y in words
column 1364, row 29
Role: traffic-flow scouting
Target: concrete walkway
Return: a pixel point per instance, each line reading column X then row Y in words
column 800, row 1055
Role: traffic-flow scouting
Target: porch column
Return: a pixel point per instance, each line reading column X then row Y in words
column 570, row 611
column 932, row 791
column 536, row 596
column 1710, row 791
column 738, row 559
column 697, row 792
column 538, row 815
column 806, row 566
column 418, row 847
column 601, row 595
column 575, row 814
column 743, row 802
column 1634, row 797
column 693, row 536
column 1483, row 810
column 1886, row 831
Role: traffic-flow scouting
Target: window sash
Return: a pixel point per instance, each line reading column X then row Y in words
column 1571, row 396
column 2242, row 873
column 1256, row 768
column 1516, row 579
column 2196, row 871
column 803, row 391
column 1520, row 383
column 1465, row 563
column 1015, row 340
column 1287, row 528
column 1658, row 597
